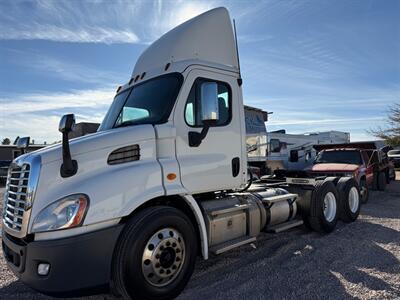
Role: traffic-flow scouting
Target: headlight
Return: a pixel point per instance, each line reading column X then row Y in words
column 67, row 212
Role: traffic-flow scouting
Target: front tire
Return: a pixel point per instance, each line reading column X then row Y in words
column 350, row 203
column 364, row 191
column 324, row 207
column 382, row 181
column 155, row 255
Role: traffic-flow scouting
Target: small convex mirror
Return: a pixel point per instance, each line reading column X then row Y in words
column 209, row 101
column 23, row 143
column 67, row 123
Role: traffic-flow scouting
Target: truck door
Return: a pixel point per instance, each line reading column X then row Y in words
column 216, row 163
column 369, row 169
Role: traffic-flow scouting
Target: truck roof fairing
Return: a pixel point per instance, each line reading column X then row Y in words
column 208, row 37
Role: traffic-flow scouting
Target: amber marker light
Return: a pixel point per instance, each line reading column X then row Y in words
column 171, row 176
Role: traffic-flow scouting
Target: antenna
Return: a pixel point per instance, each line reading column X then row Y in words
column 240, row 80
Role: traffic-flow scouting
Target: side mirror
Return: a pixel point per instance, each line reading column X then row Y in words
column 209, row 102
column 209, row 112
column 294, row 156
column 308, row 156
column 69, row 167
column 23, row 143
column 67, row 123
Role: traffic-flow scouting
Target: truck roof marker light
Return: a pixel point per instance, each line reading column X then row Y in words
column 143, row 74
column 171, row 176
column 119, row 88
column 130, row 81
column 167, row 66
column 137, row 78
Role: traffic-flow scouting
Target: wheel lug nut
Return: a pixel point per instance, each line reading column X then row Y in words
column 168, row 244
column 157, row 265
column 162, row 271
column 174, row 245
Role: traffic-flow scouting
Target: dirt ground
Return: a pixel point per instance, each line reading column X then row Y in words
column 359, row 260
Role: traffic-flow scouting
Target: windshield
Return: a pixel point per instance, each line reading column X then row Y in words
column 339, row 157
column 150, row 102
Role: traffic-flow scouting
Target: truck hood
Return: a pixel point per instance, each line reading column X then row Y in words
column 333, row 168
column 112, row 139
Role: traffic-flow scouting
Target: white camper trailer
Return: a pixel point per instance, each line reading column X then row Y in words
column 256, row 137
column 295, row 151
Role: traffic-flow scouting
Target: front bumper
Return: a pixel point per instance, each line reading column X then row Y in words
column 79, row 265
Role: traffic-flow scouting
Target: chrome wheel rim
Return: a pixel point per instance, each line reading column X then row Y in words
column 354, row 199
column 163, row 257
column 329, row 206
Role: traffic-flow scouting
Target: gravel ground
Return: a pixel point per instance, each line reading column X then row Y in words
column 358, row 260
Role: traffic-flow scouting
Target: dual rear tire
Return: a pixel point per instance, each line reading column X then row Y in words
column 330, row 203
column 350, row 199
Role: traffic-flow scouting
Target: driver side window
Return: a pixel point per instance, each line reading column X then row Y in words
column 193, row 105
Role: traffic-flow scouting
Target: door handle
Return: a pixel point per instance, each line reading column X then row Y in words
column 235, row 166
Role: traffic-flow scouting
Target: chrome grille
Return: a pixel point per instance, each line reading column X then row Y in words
column 16, row 196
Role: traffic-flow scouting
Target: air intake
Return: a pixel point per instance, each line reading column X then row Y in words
column 124, row 155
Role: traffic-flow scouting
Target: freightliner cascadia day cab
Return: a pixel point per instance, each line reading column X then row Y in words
column 164, row 180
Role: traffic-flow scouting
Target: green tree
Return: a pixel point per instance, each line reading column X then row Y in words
column 6, row 141
column 391, row 133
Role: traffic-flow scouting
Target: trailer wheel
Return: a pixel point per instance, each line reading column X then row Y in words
column 382, row 181
column 324, row 207
column 364, row 191
column 155, row 255
column 349, row 195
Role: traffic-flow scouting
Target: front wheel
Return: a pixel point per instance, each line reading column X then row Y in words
column 324, row 207
column 155, row 256
column 382, row 181
column 364, row 191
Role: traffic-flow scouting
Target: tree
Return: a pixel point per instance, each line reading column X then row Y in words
column 6, row 141
column 391, row 134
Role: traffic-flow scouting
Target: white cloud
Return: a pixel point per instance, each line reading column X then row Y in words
column 59, row 34
column 95, row 21
column 30, row 103
column 64, row 69
column 68, row 21
column 38, row 114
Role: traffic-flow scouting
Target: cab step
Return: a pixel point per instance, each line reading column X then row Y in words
column 229, row 245
column 285, row 226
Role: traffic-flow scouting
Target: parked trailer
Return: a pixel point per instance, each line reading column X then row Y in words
column 129, row 208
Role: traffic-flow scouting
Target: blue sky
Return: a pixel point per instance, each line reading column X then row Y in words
column 318, row 65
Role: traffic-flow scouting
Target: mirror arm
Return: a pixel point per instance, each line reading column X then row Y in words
column 69, row 167
column 195, row 138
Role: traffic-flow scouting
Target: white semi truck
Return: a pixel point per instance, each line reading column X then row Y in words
column 164, row 180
